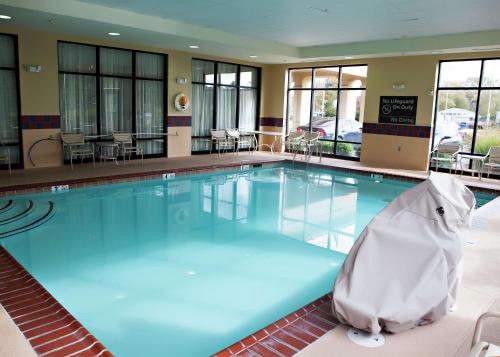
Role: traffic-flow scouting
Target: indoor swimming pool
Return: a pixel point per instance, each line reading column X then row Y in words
column 189, row 266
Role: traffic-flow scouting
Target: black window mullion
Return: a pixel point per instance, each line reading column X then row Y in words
column 134, row 95
column 311, row 109
column 237, row 119
column 214, row 115
column 476, row 119
column 339, row 84
column 98, row 89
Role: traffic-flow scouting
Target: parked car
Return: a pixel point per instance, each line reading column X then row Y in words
column 349, row 129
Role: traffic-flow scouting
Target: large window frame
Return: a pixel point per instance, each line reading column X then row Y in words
column 236, row 86
column 478, row 89
column 98, row 76
column 338, row 89
column 15, row 69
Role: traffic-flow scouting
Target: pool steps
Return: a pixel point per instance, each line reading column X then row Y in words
column 18, row 216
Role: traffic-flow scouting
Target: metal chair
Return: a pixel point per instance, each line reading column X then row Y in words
column 478, row 346
column 293, row 142
column 125, row 142
column 77, row 147
column 492, row 159
column 5, row 156
column 446, row 153
column 219, row 139
column 311, row 143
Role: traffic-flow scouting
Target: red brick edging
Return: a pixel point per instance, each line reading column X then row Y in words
column 50, row 329
column 288, row 335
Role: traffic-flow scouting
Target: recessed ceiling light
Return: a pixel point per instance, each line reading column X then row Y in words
column 194, row 46
column 253, row 56
column 348, row 57
column 113, row 34
column 5, row 17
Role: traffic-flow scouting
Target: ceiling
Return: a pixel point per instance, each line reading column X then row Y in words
column 274, row 30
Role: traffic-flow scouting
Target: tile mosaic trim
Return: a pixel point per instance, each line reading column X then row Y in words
column 178, row 120
column 277, row 122
column 40, row 121
column 288, row 335
column 414, row 131
column 50, row 329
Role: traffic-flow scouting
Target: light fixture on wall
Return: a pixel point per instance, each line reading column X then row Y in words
column 5, row 17
column 33, row 68
column 181, row 80
column 399, row 86
column 348, row 57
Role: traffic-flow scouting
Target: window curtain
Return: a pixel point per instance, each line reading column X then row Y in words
column 202, row 115
column 149, row 115
column 78, row 105
column 226, row 107
column 248, row 109
column 9, row 116
column 149, row 65
column 76, row 58
column 116, row 105
column 115, row 62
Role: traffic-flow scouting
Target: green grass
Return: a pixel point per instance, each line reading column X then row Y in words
column 485, row 140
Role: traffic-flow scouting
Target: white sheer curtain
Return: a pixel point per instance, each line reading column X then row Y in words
column 149, row 114
column 76, row 58
column 77, row 102
column 226, row 107
column 9, row 116
column 115, row 62
column 202, row 115
column 248, row 109
column 116, row 105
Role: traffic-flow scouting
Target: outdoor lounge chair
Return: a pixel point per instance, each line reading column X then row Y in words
column 311, row 144
column 220, row 141
column 492, row 159
column 125, row 142
column 478, row 347
column 5, row 156
column 293, row 142
column 77, row 147
column 445, row 153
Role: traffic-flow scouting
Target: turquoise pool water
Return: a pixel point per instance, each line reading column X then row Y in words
column 187, row 267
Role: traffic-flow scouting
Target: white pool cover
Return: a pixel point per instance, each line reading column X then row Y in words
column 403, row 270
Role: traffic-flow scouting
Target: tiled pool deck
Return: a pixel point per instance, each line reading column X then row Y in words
column 53, row 331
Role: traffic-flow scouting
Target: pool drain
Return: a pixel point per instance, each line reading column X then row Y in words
column 365, row 339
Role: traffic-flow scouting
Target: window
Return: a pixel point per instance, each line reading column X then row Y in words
column 103, row 89
column 9, row 100
column 468, row 105
column 331, row 101
column 225, row 96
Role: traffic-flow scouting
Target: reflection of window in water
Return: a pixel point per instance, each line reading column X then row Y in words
column 318, row 210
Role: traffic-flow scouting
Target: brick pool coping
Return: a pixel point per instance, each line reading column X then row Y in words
column 289, row 335
column 50, row 329
column 53, row 331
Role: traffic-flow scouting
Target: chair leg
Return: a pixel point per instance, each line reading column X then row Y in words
column 93, row 160
column 71, row 161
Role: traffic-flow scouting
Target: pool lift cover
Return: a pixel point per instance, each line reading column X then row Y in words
column 403, row 270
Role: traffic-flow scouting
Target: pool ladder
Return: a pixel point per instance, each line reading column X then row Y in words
column 18, row 216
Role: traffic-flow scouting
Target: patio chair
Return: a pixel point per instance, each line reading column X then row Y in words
column 125, row 142
column 5, row 156
column 293, row 142
column 492, row 159
column 312, row 143
column 446, row 153
column 220, row 140
column 77, row 147
column 478, row 347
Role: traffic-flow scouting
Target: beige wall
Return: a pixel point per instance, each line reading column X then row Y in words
column 40, row 91
column 418, row 73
